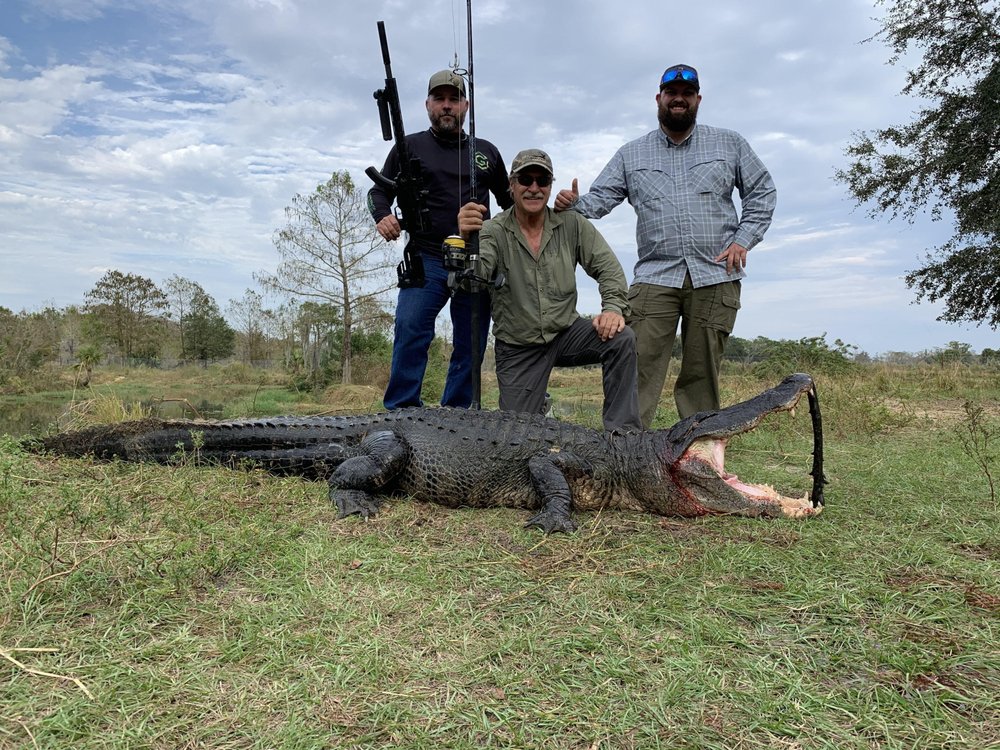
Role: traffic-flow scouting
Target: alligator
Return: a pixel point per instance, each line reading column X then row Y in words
column 472, row 458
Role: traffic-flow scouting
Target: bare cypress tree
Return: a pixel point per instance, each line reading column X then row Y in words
column 250, row 320
column 331, row 253
column 180, row 295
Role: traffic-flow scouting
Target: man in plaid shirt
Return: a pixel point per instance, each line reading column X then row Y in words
column 692, row 244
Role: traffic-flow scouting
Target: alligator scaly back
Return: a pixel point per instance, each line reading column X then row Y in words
column 459, row 457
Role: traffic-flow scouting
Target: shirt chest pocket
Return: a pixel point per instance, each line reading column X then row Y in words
column 711, row 177
column 557, row 275
column 649, row 185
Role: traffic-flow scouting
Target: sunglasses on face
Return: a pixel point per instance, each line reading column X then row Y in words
column 542, row 180
column 683, row 74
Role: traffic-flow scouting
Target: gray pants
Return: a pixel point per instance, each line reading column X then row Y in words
column 706, row 317
column 523, row 372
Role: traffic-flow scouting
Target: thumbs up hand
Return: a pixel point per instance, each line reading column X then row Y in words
column 566, row 198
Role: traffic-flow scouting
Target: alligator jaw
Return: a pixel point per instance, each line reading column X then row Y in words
column 705, row 459
column 701, row 467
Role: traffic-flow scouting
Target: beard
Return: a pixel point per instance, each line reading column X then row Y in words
column 449, row 126
column 677, row 122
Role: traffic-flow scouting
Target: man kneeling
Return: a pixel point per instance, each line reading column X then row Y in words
column 535, row 321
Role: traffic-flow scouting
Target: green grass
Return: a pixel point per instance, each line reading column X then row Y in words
column 180, row 607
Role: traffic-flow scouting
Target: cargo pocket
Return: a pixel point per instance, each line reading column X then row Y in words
column 725, row 306
column 636, row 303
column 712, row 177
column 648, row 186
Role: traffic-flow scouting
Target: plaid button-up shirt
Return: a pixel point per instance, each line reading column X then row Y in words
column 683, row 197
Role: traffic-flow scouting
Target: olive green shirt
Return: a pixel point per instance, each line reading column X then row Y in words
column 538, row 300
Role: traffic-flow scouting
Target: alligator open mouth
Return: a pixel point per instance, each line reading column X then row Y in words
column 701, row 468
column 711, row 453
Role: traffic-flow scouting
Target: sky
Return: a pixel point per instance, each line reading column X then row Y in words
column 166, row 137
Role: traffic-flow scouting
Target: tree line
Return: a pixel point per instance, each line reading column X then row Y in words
column 128, row 320
column 329, row 285
column 334, row 270
column 331, row 310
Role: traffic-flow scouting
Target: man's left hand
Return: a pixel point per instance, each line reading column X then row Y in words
column 608, row 324
column 735, row 257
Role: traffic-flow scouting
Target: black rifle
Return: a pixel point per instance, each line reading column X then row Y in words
column 408, row 185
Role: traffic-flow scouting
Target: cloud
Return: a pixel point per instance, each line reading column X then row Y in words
column 36, row 106
column 72, row 10
column 167, row 136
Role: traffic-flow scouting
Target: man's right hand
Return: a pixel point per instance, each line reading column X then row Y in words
column 470, row 218
column 389, row 228
column 566, row 198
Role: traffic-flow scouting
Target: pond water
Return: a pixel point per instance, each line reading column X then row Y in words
column 20, row 417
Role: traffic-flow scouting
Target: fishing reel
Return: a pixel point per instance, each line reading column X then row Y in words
column 461, row 266
column 456, row 258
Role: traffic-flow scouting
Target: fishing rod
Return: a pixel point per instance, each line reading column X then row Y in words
column 461, row 256
column 472, row 244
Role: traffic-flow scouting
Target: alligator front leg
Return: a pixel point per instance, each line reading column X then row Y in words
column 548, row 477
column 356, row 482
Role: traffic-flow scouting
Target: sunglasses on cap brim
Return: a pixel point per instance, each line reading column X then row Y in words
column 682, row 74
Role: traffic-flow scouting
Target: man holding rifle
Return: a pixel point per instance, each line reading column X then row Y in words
column 444, row 162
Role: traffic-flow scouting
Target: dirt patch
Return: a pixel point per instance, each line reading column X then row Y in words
column 947, row 412
column 976, row 597
column 908, row 579
column 980, row 551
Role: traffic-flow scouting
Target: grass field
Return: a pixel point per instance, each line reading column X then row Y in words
column 185, row 607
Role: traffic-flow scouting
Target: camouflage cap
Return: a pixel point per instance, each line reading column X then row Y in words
column 446, row 78
column 531, row 157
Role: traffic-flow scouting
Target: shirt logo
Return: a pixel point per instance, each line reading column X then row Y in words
column 482, row 163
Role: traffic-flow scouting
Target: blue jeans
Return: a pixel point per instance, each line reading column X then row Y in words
column 416, row 310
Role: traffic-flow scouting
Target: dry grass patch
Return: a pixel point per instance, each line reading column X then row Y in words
column 351, row 399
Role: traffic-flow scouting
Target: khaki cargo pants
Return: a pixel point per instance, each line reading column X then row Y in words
column 706, row 317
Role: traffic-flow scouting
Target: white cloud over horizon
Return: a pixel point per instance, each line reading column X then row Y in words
column 167, row 136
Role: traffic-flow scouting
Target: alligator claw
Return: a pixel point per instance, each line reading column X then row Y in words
column 354, row 502
column 550, row 522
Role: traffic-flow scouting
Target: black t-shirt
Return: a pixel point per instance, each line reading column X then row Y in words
column 444, row 168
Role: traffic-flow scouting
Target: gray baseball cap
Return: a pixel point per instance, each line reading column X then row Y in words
column 531, row 157
column 446, row 78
